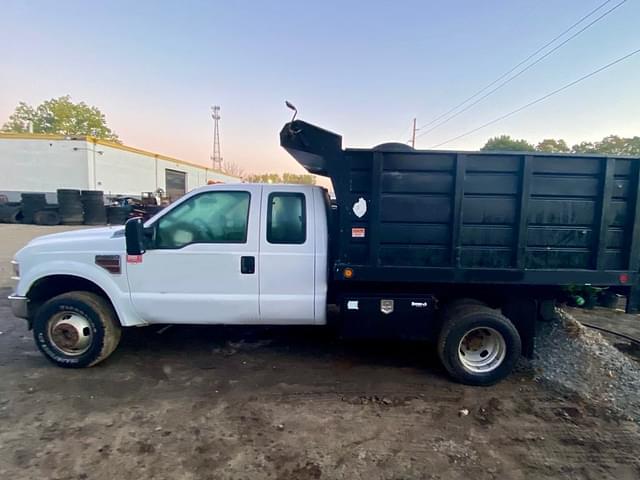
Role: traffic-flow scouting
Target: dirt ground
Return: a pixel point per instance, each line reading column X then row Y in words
column 289, row 403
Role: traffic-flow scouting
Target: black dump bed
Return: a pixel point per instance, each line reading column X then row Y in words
column 477, row 217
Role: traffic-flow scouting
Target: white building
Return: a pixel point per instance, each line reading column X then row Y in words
column 45, row 163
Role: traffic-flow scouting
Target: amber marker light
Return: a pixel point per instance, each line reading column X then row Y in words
column 347, row 273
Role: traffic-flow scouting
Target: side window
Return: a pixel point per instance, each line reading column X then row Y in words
column 286, row 218
column 211, row 217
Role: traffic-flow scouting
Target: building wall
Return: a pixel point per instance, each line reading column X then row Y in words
column 122, row 172
column 130, row 173
column 36, row 165
column 46, row 164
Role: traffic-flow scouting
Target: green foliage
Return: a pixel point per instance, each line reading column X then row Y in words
column 60, row 116
column 305, row 179
column 610, row 145
column 263, row 178
column 504, row 143
column 553, row 146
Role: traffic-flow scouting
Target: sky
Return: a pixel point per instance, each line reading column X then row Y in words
column 363, row 69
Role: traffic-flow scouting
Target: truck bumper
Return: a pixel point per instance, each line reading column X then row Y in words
column 19, row 306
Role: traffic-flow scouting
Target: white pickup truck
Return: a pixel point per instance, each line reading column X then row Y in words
column 229, row 254
column 389, row 253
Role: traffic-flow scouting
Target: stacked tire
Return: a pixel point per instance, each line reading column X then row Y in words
column 10, row 212
column 48, row 216
column 118, row 215
column 95, row 212
column 70, row 207
column 31, row 204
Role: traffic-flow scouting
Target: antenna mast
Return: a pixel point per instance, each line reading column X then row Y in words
column 216, row 156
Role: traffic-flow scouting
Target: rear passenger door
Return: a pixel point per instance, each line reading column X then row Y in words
column 287, row 256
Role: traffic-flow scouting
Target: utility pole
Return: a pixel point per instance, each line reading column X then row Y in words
column 413, row 134
column 216, row 155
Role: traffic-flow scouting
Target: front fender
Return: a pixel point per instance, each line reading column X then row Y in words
column 111, row 284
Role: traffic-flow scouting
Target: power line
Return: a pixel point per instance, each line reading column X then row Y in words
column 538, row 100
column 516, row 66
column 510, row 79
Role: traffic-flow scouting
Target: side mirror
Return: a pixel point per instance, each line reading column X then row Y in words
column 134, row 236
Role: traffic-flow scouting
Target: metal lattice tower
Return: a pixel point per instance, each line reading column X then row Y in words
column 216, row 155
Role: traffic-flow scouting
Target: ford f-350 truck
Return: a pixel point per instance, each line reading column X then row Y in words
column 464, row 249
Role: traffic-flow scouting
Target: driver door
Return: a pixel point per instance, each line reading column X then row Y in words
column 200, row 265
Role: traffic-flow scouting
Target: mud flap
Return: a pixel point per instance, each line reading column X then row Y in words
column 523, row 313
column 633, row 300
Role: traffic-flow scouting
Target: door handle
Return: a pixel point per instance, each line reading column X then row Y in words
column 247, row 264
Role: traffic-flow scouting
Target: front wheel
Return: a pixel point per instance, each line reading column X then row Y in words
column 478, row 345
column 76, row 329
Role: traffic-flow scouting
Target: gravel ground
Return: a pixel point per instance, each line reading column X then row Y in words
column 582, row 360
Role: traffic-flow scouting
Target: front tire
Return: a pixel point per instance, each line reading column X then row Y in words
column 478, row 345
column 76, row 329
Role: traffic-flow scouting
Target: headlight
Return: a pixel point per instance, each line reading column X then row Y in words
column 16, row 270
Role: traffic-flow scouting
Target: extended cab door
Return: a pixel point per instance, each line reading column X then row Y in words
column 201, row 264
column 287, row 255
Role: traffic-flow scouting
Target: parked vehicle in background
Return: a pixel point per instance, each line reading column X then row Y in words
column 464, row 249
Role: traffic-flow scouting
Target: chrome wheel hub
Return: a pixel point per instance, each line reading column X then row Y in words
column 70, row 332
column 482, row 350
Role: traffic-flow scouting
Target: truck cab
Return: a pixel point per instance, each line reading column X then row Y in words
column 235, row 254
column 222, row 254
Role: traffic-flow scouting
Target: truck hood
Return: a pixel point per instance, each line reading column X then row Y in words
column 83, row 234
column 104, row 240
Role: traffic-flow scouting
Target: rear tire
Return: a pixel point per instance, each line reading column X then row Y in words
column 478, row 345
column 76, row 329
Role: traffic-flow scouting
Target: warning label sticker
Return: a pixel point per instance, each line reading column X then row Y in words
column 357, row 232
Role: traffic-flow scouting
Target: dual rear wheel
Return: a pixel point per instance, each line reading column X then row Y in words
column 477, row 345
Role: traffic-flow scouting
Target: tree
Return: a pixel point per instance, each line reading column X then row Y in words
column 232, row 169
column 506, row 143
column 264, row 178
column 60, row 116
column 611, row 145
column 551, row 145
column 304, row 179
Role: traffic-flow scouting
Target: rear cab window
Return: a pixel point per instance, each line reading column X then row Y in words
column 286, row 218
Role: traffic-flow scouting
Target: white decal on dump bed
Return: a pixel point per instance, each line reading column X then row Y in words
column 360, row 207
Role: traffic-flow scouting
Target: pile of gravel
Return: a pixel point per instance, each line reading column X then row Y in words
column 582, row 360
